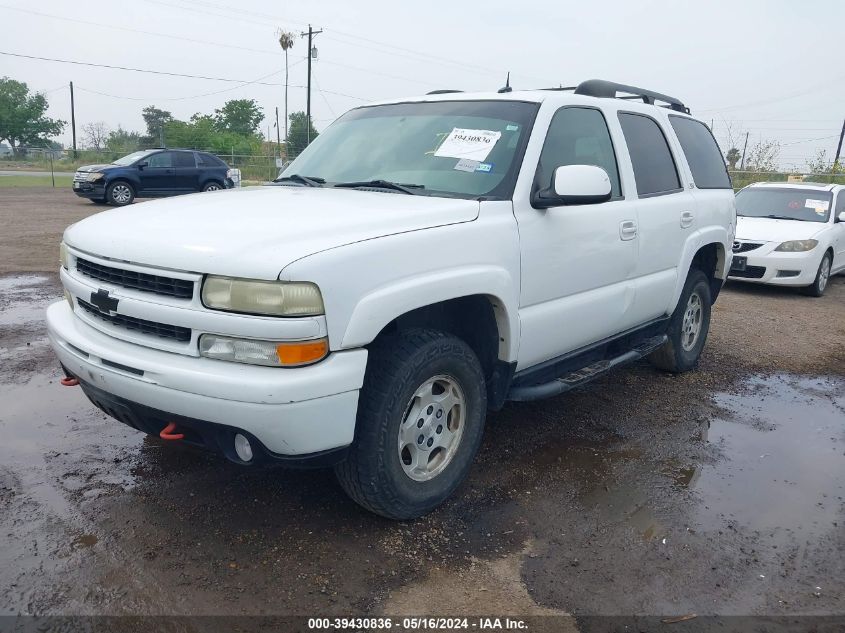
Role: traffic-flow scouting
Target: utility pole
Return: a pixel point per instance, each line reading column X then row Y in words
column 839, row 147
column 73, row 121
column 744, row 147
column 311, row 33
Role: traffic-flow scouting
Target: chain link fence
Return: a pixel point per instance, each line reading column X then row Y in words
column 262, row 167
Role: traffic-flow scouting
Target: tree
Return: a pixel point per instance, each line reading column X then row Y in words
column 156, row 120
column 763, row 156
column 239, row 116
column 121, row 141
column 22, row 120
column 297, row 138
column 286, row 41
column 94, row 135
column 733, row 157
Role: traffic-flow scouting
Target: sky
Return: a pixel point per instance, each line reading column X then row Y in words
column 772, row 68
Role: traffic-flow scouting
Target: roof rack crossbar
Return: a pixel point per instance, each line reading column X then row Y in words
column 609, row 90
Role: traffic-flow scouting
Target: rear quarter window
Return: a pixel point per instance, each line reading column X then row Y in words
column 654, row 168
column 703, row 154
column 207, row 160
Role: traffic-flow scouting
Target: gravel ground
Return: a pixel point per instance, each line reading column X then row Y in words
column 721, row 491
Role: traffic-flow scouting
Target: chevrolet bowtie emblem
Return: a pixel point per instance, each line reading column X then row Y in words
column 102, row 300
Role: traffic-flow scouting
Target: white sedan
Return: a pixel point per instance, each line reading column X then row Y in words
column 790, row 235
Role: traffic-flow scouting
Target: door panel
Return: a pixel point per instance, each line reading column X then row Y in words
column 576, row 260
column 157, row 176
column 186, row 174
column 839, row 233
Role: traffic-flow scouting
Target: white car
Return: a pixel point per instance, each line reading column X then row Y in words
column 422, row 261
column 790, row 235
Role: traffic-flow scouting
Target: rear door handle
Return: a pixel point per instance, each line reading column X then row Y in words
column 687, row 218
column 627, row 230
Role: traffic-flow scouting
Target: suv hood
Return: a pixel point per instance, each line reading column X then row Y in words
column 87, row 168
column 257, row 231
column 771, row 230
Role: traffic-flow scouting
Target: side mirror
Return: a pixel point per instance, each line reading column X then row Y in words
column 575, row 184
column 841, row 217
column 143, row 164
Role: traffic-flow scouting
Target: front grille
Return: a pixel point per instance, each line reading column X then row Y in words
column 742, row 247
column 162, row 330
column 170, row 286
column 750, row 272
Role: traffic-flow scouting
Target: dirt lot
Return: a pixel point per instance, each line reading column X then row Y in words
column 719, row 492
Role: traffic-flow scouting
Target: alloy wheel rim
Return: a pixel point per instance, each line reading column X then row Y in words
column 212, row 188
column 432, row 427
column 824, row 274
column 691, row 324
column 120, row 193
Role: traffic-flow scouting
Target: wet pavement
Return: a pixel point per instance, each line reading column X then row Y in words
column 721, row 491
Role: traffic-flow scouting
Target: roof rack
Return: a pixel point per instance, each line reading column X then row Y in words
column 608, row 89
column 442, row 92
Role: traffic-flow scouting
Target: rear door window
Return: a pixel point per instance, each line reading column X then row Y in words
column 703, row 154
column 183, row 159
column 654, row 167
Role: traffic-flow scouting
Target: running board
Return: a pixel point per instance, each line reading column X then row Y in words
column 584, row 375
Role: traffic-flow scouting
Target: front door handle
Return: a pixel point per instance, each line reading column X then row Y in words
column 627, row 230
column 687, row 218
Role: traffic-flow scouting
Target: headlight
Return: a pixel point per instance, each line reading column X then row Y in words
column 63, row 255
column 276, row 298
column 267, row 353
column 94, row 176
column 797, row 246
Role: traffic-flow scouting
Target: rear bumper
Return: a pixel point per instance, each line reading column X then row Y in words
column 289, row 412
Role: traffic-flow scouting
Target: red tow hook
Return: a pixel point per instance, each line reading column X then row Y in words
column 69, row 381
column 168, row 434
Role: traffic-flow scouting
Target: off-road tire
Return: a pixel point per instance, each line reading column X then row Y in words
column 672, row 356
column 372, row 473
column 116, row 188
column 819, row 285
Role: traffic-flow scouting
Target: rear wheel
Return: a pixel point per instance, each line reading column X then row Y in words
column 822, row 278
column 688, row 327
column 420, row 422
column 120, row 193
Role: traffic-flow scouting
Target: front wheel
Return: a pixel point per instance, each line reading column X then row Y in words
column 212, row 186
column 817, row 288
column 120, row 193
column 688, row 327
column 420, row 422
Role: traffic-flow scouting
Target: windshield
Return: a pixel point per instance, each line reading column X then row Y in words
column 466, row 149
column 131, row 158
column 784, row 203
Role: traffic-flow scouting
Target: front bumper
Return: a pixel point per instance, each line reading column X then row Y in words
column 92, row 190
column 290, row 412
column 767, row 266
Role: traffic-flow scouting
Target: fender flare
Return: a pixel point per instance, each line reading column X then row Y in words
column 703, row 237
column 381, row 306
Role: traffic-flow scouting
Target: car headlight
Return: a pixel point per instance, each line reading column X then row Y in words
column 266, row 353
column 274, row 298
column 94, row 176
column 63, row 255
column 797, row 246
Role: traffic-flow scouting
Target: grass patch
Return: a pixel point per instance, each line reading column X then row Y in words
column 35, row 181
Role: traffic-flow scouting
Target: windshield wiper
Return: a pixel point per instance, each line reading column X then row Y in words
column 307, row 181
column 383, row 184
column 784, row 217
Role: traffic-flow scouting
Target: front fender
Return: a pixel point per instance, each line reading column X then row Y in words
column 378, row 308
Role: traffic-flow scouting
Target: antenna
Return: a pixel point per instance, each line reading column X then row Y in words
column 507, row 87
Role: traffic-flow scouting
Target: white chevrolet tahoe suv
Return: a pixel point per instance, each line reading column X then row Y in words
column 423, row 261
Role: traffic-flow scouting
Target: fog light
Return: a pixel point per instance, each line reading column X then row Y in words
column 243, row 449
